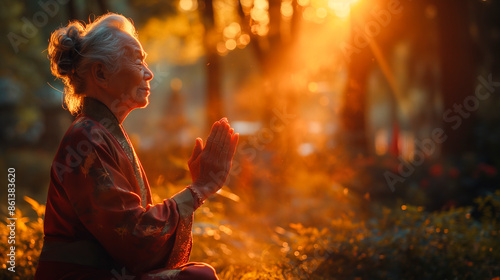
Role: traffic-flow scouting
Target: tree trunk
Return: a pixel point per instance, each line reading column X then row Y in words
column 214, row 103
column 458, row 75
column 353, row 138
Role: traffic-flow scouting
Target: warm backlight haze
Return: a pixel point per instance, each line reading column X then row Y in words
column 368, row 131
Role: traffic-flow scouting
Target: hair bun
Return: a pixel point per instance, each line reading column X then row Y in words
column 64, row 49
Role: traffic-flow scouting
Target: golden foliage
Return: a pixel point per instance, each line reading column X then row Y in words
column 28, row 243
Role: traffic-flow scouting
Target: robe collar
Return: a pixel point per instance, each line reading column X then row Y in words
column 98, row 111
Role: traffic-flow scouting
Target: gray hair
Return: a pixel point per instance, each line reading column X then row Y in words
column 74, row 48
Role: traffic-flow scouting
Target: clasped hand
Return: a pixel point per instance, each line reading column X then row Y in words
column 210, row 164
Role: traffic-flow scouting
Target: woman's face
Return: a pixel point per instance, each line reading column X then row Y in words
column 130, row 84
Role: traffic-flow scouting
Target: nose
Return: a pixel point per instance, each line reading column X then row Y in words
column 148, row 74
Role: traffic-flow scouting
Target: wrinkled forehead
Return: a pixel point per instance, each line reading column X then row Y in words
column 133, row 48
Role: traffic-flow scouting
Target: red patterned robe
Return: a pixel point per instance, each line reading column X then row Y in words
column 100, row 222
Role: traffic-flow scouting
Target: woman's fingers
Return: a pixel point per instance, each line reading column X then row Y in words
column 198, row 147
column 227, row 143
column 221, row 145
column 217, row 154
column 219, row 139
column 230, row 151
column 211, row 137
column 200, row 142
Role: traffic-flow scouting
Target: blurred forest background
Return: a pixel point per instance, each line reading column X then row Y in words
column 369, row 130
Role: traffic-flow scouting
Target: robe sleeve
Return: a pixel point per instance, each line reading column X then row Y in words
column 101, row 194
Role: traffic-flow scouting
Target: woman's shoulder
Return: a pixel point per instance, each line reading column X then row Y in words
column 84, row 137
column 85, row 129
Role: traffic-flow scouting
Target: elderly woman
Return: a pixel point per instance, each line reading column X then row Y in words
column 100, row 221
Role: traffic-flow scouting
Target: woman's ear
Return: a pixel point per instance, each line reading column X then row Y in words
column 100, row 75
